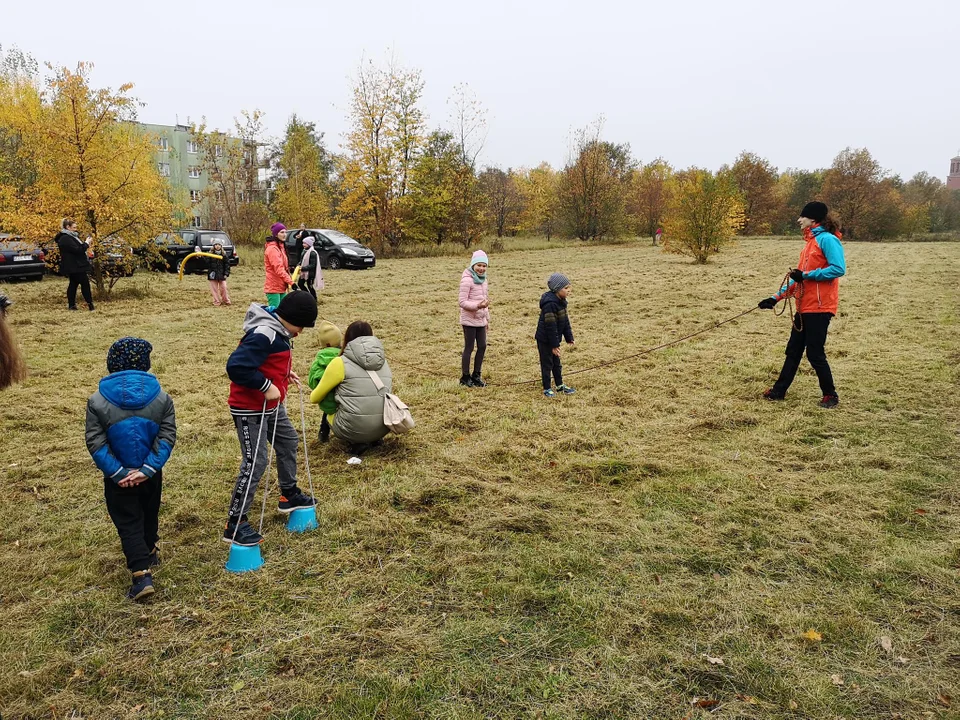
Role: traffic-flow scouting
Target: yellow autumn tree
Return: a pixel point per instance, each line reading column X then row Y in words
column 92, row 162
column 705, row 214
column 540, row 207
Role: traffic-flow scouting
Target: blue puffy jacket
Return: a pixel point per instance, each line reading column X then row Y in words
column 131, row 425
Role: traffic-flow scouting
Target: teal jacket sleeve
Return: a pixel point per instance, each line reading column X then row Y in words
column 833, row 251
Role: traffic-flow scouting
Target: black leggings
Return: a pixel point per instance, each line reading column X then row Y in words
column 473, row 335
column 307, row 285
column 78, row 279
column 811, row 337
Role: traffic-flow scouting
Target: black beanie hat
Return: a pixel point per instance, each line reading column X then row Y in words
column 298, row 308
column 816, row 211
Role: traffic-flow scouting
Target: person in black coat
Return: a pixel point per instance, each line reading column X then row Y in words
column 74, row 263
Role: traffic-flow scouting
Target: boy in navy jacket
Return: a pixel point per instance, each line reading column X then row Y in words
column 130, row 432
column 260, row 370
column 553, row 327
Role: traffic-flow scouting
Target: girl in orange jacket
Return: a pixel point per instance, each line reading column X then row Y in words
column 815, row 284
column 278, row 279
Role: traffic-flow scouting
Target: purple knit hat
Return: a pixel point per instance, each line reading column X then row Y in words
column 276, row 228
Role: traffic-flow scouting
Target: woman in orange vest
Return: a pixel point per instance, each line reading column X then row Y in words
column 815, row 284
column 278, row 279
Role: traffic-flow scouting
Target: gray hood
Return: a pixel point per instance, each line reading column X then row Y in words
column 258, row 316
column 366, row 351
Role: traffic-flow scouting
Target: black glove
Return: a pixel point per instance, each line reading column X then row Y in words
column 768, row 303
column 796, row 275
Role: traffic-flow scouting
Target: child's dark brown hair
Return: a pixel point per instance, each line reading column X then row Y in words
column 832, row 223
column 358, row 328
column 12, row 367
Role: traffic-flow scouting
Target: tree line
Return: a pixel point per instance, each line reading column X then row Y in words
column 396, row 183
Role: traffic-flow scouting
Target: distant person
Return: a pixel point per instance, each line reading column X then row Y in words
column 474, row 318
column 330, row 341
column 275, row 266
column 217, row 274
column 311, row 274
column 131, row 430
column 358, row 420
column 552, row 328
column 260, row 372
column 13, row 369
column 74, row 262
column 657, row 236
column 816, row 286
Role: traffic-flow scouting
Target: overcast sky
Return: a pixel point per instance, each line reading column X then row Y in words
column 693, row 81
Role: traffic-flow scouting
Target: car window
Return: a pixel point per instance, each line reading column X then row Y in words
column 338, row 238
column 188, row 237
column 15, row 246
column 211, row 238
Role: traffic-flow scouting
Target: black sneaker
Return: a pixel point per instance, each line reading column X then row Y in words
column 294, row 499
column 142, row 586
column 772, row 395
column 72, row 307
column 245, row 534
column 477, row 380
column 324, row 430
column 155, row 556
column 830, row 401
column 466, row 381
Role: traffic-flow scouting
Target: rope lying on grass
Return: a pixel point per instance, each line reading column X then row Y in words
column 646, row 351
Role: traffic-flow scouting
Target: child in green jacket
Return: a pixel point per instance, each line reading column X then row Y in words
column 330, row 340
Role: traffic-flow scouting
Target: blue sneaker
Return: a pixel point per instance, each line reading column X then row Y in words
column 549, row 393
column 566, row 389
column 142, row 586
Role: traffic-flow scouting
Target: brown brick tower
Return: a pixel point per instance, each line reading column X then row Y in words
column 953, row 179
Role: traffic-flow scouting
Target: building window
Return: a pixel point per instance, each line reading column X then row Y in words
column 195, row 196
column 163, row 144
column 194, row 171
column 192, row 147
column 220, row 223
column 164, row 169
column 218, row 151
column 196, row 221
column 240, row 196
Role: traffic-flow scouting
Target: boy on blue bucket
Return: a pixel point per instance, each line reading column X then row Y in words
column 131, row 430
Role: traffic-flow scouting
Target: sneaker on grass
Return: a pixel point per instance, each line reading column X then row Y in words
column 566, row 389
column 142, row 586
column 830, row 401
column 245, row 534
column 294, row 499
column 771, row 394
column 550, row 393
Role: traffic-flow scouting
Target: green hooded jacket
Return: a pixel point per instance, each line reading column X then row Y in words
column 319, row 366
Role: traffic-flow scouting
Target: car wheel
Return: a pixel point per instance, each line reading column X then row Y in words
column 335, row 263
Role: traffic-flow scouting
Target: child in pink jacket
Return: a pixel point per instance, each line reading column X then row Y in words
column 474, row 317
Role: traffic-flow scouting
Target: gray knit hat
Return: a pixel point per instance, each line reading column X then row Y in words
column 557, row 281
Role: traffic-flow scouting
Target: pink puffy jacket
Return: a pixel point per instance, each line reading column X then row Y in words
column 471, row 295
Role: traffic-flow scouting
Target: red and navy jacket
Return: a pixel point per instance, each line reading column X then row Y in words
column 262, row 359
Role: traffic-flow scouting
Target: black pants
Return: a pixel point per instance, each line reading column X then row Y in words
column 811, row 337
column 81, row 279
column 135, row 512
column 473, row 335
column 308, row 286
column 549, row 363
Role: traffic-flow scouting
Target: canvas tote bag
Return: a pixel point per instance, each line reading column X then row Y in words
column 396, row 414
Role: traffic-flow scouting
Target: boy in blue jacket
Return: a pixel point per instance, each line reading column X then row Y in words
column 131, row 430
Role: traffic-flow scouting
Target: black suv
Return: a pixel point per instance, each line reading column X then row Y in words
column 175, row 246
column 335, row 249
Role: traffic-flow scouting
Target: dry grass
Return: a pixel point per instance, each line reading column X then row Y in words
column 515, row 557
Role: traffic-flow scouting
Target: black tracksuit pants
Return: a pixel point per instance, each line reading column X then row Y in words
column 81, row 280
column 549, row 363
column 135, row 511
column 811, row 337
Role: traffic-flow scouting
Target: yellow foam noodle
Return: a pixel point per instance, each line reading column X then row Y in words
column 183, row 263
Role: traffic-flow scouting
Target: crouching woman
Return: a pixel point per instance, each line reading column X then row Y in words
column 358, row 420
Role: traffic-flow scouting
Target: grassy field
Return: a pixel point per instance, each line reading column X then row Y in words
column 656, row 546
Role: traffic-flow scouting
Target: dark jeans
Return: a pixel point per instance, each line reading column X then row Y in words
column 811, row 337
column 473, row 335
column 549, row 363
column 308, row 286
column 78, row 279
column 135, row 511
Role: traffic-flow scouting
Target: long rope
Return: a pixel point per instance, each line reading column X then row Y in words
column 796, row 319
column 306, row 452
column 608, row 363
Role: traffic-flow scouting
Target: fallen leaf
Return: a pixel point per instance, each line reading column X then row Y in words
column 570, row 575
column 749, row 699
column 714, row 660
column 920, row 511
column 227, row 649
column 237, row 686
column 836, row 679
column 25, row 673
column 705, row 702
column 657, row 579
column 944, row 699
column 503, row 640
column 137, row 708
column 901, row 660
column 793, row 705
column 812, row 635
column 886, row 643
column 717, row 577
column 78, row 673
